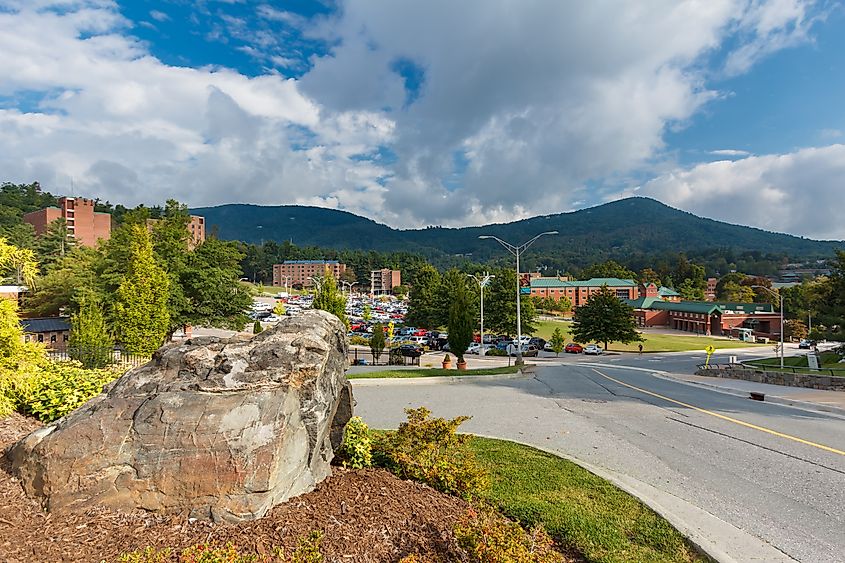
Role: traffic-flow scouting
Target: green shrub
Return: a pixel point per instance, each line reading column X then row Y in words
column 359, row 340
column 496, row 352
column 430, row 451
column 487, row 537
column 356, row 450
column 61, row 387
column 256, row 327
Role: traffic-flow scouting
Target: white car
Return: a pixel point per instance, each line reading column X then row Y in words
column 475, row 348
column 272, row 319
column 593, row 349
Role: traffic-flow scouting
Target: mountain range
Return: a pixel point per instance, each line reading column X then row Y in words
column 624, row 230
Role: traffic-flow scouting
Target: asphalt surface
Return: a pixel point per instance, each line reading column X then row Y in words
column 774, row 471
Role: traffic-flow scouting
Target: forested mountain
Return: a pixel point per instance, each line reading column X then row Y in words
column 638, row 232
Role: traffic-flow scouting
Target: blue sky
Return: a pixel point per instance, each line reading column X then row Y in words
column 417, row 113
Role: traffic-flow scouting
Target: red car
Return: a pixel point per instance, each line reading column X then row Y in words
column 573, row 348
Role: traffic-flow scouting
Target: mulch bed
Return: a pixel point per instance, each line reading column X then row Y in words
column 366, row 516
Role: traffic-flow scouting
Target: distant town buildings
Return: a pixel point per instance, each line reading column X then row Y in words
column 84, row 224
column 197, row 229
column 579, row 292
column 383, row 281
column 300, row 273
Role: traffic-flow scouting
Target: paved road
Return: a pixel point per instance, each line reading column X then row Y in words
column 774, row 471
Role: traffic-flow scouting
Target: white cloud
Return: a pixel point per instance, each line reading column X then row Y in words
column 159, row 16
column 729, row 152
column 521, row 104
column 799, row 193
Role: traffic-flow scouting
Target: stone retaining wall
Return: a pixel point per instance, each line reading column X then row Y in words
column 828, row 382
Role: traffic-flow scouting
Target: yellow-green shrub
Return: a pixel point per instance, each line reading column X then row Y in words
column 487, row 537
column 356, row 449
column 431, row 451
column 308, row 551
column 61, row 387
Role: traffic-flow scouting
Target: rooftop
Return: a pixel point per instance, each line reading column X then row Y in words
column 594, row 282
column 45, row 324
column 311, row 262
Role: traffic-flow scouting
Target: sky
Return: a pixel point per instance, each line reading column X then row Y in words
column 433, row 113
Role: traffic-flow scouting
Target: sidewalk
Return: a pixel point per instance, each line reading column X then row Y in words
column 818, row 399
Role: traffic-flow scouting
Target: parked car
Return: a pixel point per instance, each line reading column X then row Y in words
column 475, row 348
column 527, row 351
column 411, row 350
column 806, row 344
column 573, row 348
column 540, row 343
column 272, row 318
column 593, row 349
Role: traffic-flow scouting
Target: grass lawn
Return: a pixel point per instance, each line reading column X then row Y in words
column 431, row 372
column 653, row 342
column 828, row 360
column 580, row 510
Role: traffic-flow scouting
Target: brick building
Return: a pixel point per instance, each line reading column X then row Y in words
column 84, row 224
column 707, row 318
column 197, row 229
column 383, row 281
column 53, row 332
column 579, row 292
column 297, row 273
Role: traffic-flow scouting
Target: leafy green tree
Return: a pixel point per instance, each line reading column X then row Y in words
column 793, row 328
column 605, row 318
column 608, row 269
column 500, row 305
column 423, row 304
column 330, row 298
column 557, row 341
column 647, row 275
column 377, row 341
column 66, row 282
column 90, row 342
column 279, row 309
column 19, row 265
column 367, row 313
column 256, row 327
column 141, row 315
column 171, row 243
column 734, row 292
column 832, row 300
column 461, row 318
column 691, row 290
column 210, row 285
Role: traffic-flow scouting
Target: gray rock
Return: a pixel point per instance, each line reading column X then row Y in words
column 220, row 428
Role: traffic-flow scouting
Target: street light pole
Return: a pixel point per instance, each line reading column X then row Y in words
column 516, row 250
column 778, row 295
column 482, row 283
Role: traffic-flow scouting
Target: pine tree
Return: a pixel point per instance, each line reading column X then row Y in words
column 141, row 315
column 329, row 298
column 605, row 318
column 54, row 243
column 557, row 341
column 500, row 305
column 90, row 342
column 256, row 327
column 461, row 319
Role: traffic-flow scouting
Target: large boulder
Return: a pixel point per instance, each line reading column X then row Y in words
column 220, row 428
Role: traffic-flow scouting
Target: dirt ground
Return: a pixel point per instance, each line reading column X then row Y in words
column 366, row 516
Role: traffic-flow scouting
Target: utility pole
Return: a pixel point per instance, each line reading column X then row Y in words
column 482, row 283
column 516, row 250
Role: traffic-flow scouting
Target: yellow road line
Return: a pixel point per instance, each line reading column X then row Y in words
column 723, row 417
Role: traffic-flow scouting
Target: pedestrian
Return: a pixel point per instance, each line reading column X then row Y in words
column 641, row 348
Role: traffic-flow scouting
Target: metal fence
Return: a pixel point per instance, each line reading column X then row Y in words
column 364, row 357
column 98, row 355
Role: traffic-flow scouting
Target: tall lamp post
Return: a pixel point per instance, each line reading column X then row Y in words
column 779, row 296
column 482, row 283
column 516, row 250
column 350, row 284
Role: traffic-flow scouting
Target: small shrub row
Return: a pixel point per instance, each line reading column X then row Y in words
column 308, row 551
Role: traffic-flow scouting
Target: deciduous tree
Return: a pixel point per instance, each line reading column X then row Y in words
column 330, row 298
column 500, row 305
column 422, row 304
column 605, row 318
column 557, row 341
column 377, row 341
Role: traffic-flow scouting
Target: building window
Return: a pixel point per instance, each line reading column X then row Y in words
column 40, row 338
column 52, row 338
column 64, row 338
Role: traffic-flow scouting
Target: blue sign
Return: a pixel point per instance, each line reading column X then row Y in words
column 525, row 290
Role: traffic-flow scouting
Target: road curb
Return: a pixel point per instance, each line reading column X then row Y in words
column 438, row 379
column 709, row 543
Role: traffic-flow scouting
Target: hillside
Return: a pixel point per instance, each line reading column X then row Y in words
column 633, row 230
